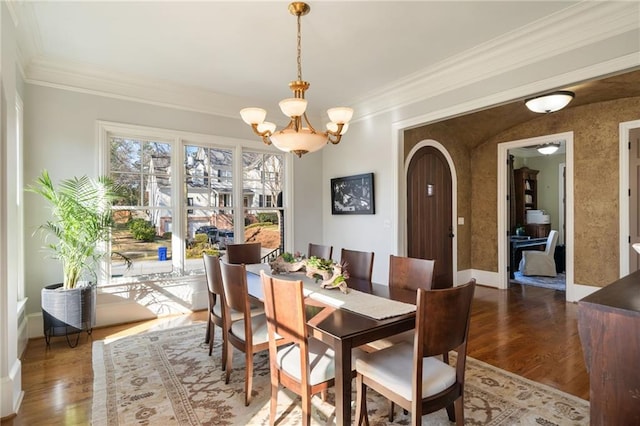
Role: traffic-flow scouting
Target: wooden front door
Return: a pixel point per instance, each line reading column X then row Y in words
column 429, row 207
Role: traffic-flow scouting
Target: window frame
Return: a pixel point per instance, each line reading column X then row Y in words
column 178, row 140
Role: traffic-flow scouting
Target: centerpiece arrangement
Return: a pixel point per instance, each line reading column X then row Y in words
column 330, row 273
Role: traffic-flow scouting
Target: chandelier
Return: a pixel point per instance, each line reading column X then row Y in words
column 299, row 136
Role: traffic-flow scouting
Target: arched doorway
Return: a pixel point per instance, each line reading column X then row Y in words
column 429, row 211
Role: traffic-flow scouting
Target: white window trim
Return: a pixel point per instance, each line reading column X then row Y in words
column 179, row 139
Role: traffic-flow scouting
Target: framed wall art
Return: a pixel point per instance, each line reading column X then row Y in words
column 353, row 194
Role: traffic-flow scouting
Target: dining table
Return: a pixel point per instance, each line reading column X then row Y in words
column 367, row 312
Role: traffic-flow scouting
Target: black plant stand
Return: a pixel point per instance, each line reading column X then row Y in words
column 68, row 312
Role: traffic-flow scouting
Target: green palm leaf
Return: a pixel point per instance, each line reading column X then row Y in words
column 81, row 207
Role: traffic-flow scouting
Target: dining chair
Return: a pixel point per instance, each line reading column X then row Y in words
column 217, row 315
column 412, row 375
column 246, row 253
column 305, row 366
column 359, row 264
column 407, row 273
column 320, row 251
column 249, row 334
column 410, row 273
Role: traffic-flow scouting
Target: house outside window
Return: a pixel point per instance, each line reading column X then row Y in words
column 184, row 194
column 262, row 184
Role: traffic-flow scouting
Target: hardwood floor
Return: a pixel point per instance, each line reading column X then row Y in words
column 529, row 331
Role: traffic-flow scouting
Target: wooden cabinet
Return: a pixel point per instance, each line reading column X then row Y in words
column 609, row 326
column 538, row 230
column 526, row 196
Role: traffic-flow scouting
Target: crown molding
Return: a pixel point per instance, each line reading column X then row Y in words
column 572, row 28
column 580, row 25
column 87, row 79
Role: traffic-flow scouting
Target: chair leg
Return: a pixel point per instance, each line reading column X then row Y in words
column 273, row 408
column 323, row 395
column 248, row 382
column 451, row 412
column 211, row 329
column 459, row 404
column 392, row 407
column 306, row 407
column 361, row 402
column 208, row 335
column 225, row 344
column 229, row 363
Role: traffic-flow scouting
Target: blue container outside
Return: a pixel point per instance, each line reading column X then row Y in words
column 162, row 253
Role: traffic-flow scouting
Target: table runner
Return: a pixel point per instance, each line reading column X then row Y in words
column 355, row 301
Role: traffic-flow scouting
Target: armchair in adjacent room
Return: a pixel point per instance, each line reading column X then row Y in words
column 540, row 262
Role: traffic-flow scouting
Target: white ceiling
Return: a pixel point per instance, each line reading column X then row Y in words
column 351, row 50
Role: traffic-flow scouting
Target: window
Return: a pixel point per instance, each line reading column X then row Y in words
column 263, row 193
column 186, row 193
column 208, row 175
column 143, row 219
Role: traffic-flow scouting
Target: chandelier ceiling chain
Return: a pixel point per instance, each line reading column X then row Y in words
column 299, row 51
column 298, row 136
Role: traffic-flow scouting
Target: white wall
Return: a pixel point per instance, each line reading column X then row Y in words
column 10, row 212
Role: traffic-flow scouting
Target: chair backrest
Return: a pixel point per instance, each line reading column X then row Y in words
column 234, row 282
column 246, row 253
column 213, row 274
column 442, row 319
column 359, row 264
column 284, row 308
column 318, row 250
column 552, row 240
column 410, row 273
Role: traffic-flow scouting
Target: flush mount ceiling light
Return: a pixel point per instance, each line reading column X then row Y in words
column 548, row 148
column 299, row 136
column 550, row 102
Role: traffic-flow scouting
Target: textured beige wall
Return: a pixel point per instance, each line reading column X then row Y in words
column 596, row 139
column 595, row 127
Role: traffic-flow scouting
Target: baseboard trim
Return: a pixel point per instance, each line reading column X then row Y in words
column 11, row 393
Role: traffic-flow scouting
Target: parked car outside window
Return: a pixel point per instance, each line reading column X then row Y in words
column 225, row 237
column 211, row 231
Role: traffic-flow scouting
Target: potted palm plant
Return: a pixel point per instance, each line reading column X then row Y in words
column 82, row 222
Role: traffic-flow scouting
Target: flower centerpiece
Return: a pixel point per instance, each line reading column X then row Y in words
column 330, row 273
column 288, row 262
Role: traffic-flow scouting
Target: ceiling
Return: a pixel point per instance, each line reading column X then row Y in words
column 351, row 50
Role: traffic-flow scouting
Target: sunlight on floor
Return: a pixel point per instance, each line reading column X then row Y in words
column 155, row 325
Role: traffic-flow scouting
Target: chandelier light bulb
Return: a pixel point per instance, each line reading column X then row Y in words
column 253, row 115
column 267, row 126
column 340, row 114
column 293, row 107
column 333, row 127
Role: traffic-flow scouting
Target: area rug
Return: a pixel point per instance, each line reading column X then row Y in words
column 167, row 378
column 558, row 282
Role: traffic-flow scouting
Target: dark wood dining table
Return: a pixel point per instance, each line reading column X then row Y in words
column 345, row 330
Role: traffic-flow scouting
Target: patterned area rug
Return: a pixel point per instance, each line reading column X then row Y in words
column 556, row 283
column 167, row 378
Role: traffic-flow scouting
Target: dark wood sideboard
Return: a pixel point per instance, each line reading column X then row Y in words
column 609, row 327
